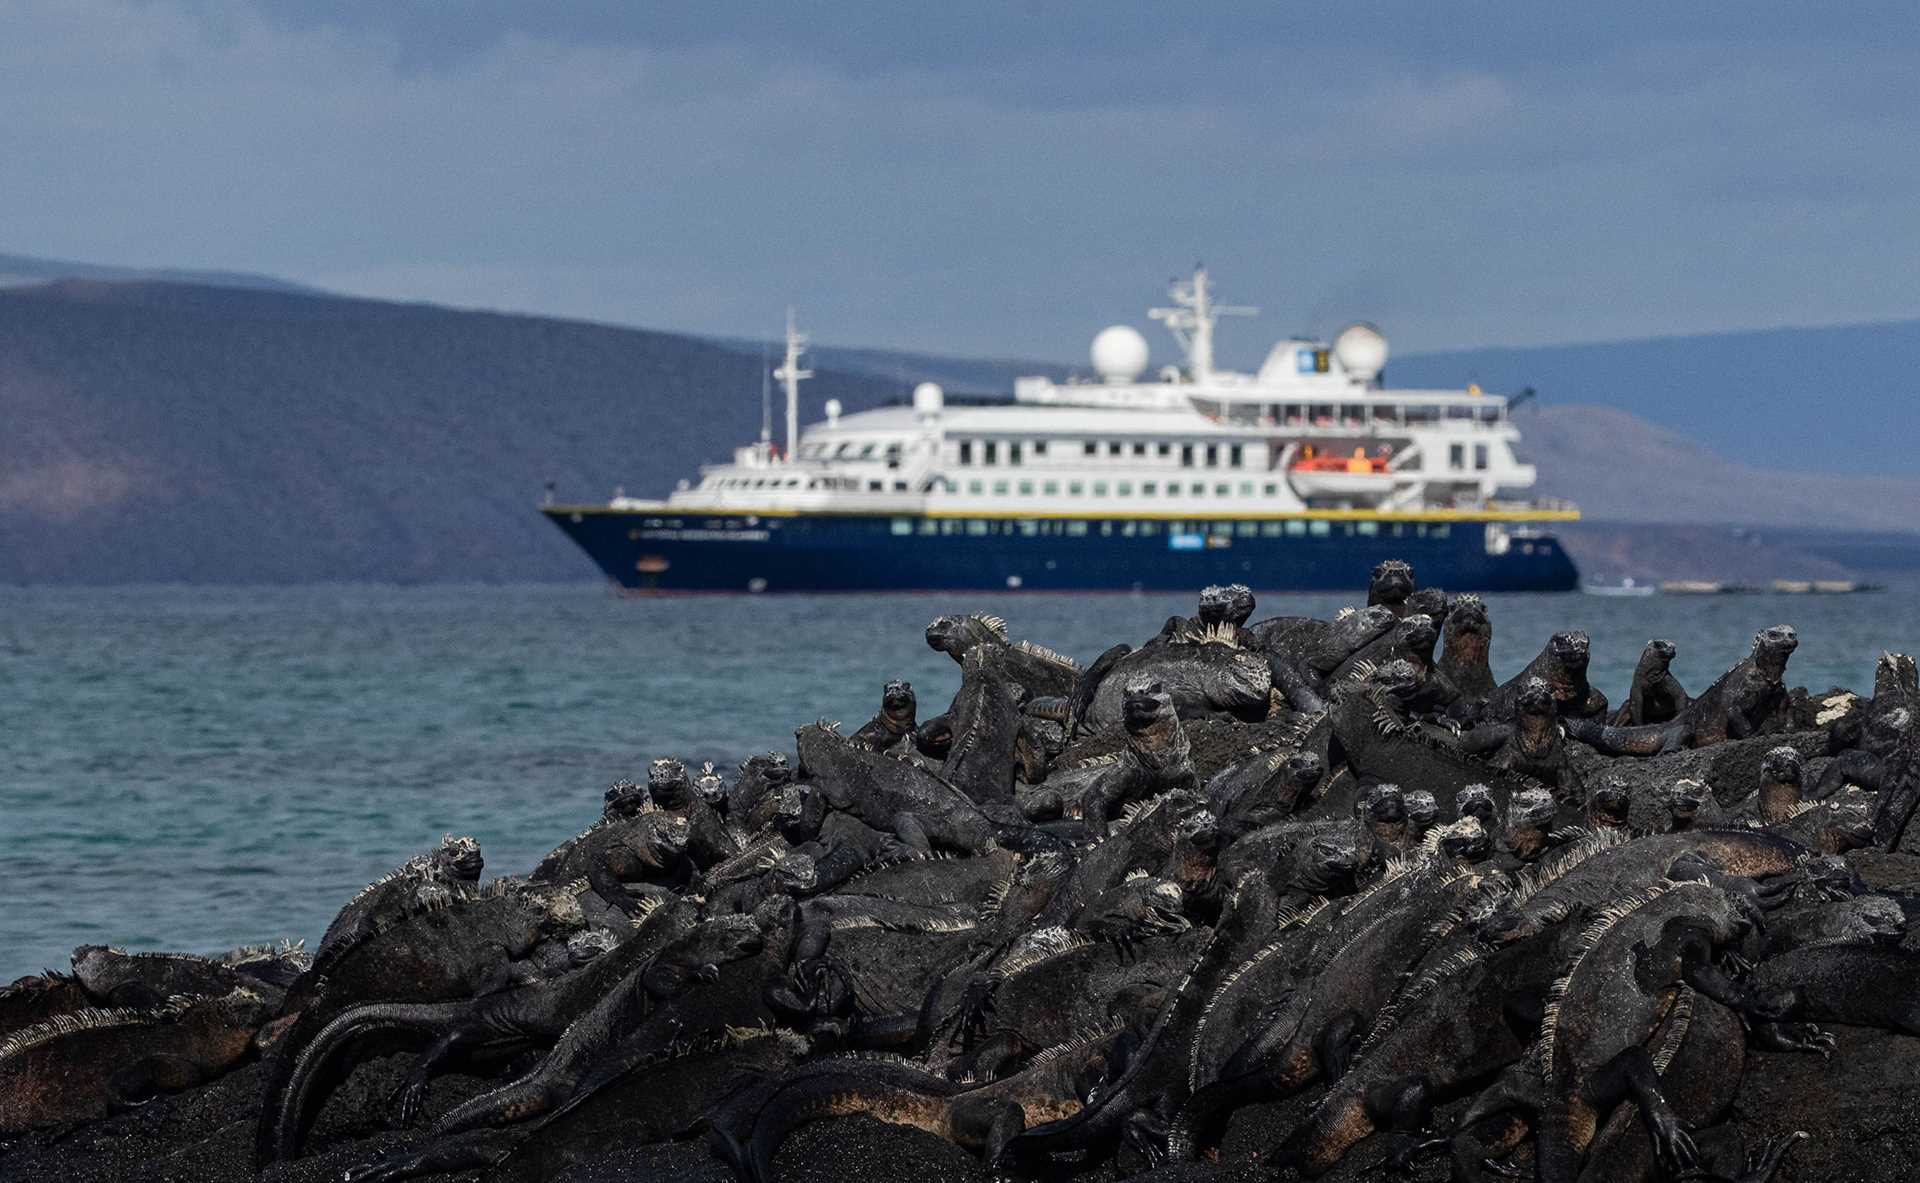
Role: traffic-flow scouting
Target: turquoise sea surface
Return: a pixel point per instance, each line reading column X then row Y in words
column 194, row 768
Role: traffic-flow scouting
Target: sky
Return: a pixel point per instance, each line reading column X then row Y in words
column 995, row 179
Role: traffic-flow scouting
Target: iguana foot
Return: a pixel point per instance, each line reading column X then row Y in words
column 1795, row 1037
column 406, row 1103
column 1763, row 1163
column 1408, row 1148
column 1671, row 1143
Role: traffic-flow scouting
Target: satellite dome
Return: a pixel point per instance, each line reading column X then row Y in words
column 833, row 412
column 1362, row 351
column 1119, row 354
column 928, row 398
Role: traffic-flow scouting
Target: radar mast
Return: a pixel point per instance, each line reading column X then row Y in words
column 790, row 375
column 1191, row 321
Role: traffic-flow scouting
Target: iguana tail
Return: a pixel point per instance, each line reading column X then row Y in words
column 303, row 1071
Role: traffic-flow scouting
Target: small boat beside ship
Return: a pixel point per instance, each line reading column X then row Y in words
column 1287, row 479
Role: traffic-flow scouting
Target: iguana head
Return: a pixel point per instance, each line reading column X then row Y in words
column 897, row 700
column 1657, row 656
column 954, row 635
column 659, row 838
column 1383, row 809
column 588, row 944
column 1467, row 627
column 794, row 873
column 1430, row 602
column 1569, row 651
column 711, row 788
column 1772, row 647
column 669, row 784
column 1241, row 604
column 1416, row 635
column 1830, row 877
column 1144, row 702
column 1608, row 802
column 1531, row 809
column 1303, row 771
column 1782, row 772
column 794, row 814
column 1684, row 799
column 1422, row 811
column 459, row 858
column 1215, row 603
column 624, row 798
column 1399, row 679
column 1882, row 921
column 1390, row 584
column 1476, row 801
column 1464, row 840
column 1330, row 862
column 1534, row 704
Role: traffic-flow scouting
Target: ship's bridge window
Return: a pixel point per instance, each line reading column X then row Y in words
column 966, row 451
column 1456, row 456
column 1321, row 414
column 1353, row 414
column 1186, row 455
column 1013, row 452
column 1417, row 415
column 1163, row 450
column 1480, row 457
column 1386, row 413
column 1235, row 454
column 1139, row 449
column 1090, row 448
column 1114, row 448
column 876, row 486
column 899, row 486
column 990, row 454
column 1039, row 447
column 1213, row 455
column 893, row 455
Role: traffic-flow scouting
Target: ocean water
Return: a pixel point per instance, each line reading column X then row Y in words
column 195, row 768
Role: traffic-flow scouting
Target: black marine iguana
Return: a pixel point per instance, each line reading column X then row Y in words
column 1562, row 665
column 895, row 720
column 453, row 869
column 634, row 842
column 1655, row 696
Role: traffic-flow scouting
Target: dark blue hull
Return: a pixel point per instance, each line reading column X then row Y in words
column 661, row 551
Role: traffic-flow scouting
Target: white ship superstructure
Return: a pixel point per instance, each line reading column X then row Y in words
column 1312, row 433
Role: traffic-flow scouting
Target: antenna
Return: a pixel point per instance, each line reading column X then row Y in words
column 790, row 375
column 766, row 405
column 1191, row 321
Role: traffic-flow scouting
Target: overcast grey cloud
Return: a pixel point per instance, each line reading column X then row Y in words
column 996, row 178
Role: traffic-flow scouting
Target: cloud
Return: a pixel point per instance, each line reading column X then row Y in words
column 1002, row 186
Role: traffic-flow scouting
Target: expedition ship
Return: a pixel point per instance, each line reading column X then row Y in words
column 1288, row 479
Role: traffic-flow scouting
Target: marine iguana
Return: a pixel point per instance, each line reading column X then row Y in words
column 1857, row 920
column 1749, row 699
column 895, row 720
column 1466, row 641
column 1411, row 640
column 1655, row 696
column 35, row 999
column 1528, row 833
column 754, row 795
column 1261, row 790
column 986, row 721
column 1157, row 757
column 1626, row 976
column 892, row 795
column 983, row 1118
column 1562, row 665
column 1532, row 744
column 635, row 844
column 90, row 1063
column 1037, row 670
column 1863, row 985
column 1207, row 678
column 116, row 978
column 453, row 870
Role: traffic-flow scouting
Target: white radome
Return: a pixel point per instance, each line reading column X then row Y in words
column 1119, row 353
column 928, row 398
column 1362, row 351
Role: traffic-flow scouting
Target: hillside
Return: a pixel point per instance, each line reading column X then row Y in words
column 20, row 270
column 192, row 433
